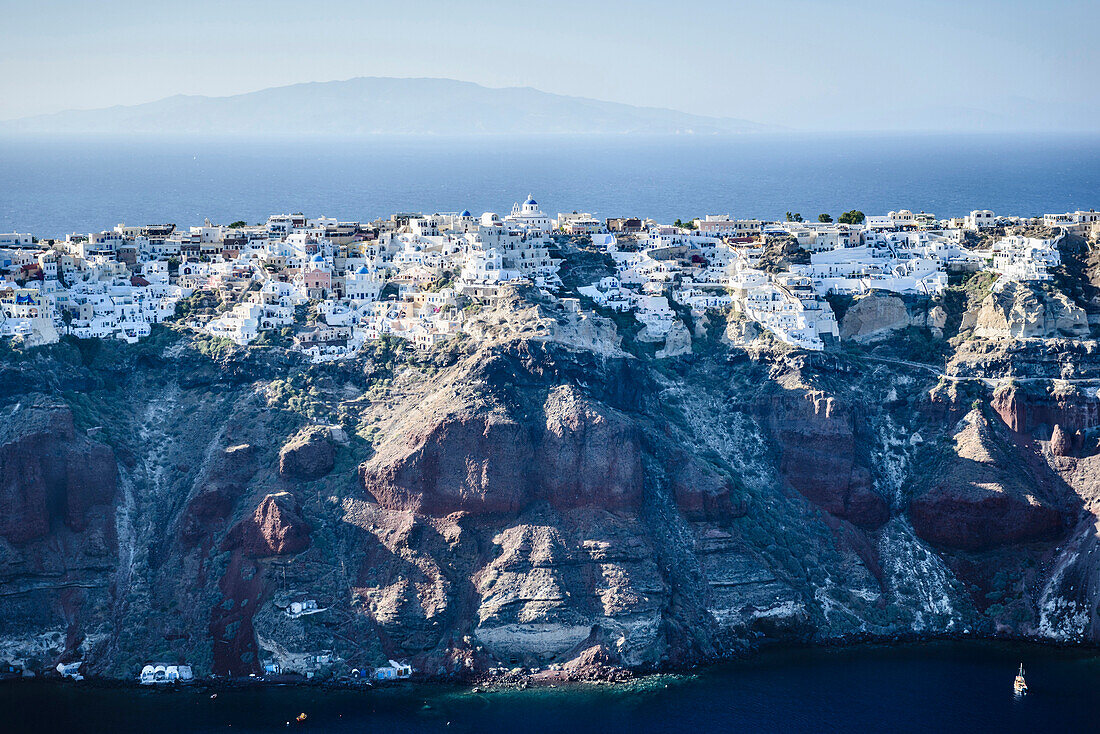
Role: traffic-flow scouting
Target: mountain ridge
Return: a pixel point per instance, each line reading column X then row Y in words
column 381, row 106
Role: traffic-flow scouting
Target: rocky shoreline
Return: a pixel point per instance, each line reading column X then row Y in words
column 590, row 673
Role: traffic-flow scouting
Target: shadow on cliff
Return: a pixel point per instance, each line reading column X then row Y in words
column 997, row 511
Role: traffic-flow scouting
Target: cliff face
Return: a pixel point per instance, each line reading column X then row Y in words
column 539, row 495
column 49, row 475
column 874, row 317
column 571, row 453
column 819, row 457
column 986, row 495
column 1022, row 310
column 58, row 488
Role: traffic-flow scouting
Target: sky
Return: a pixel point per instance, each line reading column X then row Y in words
column 804, row 64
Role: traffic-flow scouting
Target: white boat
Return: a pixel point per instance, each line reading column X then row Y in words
column 1019, row 686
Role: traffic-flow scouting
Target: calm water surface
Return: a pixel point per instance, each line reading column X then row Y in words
column 933, row 688
column 51, row 187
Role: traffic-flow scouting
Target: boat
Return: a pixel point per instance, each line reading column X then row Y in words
column 301, row 718
column 1020, row 685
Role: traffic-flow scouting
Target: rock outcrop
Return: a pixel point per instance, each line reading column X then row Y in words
column 588, row 455
column 227, row 478
column 275, row 528
column 677, row 342
column 703, row 494
column 549, row 586
column 50, row 474
column 1040, row 408
column 874, row 317
column 818, row 455
column 1061, row 443
column 573, row 453
column 984, row 496
column 309, row 454
column 1028, row 311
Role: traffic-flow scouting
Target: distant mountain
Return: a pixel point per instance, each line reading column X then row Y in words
column 380, row 105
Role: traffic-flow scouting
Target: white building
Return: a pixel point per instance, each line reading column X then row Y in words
column 1078, row 221
column 1024, row 259
column 529, row 216
column 980, row 219
column 720, row 225
column 16, row 240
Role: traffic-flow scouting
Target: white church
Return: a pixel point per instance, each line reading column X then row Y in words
column 529, row 216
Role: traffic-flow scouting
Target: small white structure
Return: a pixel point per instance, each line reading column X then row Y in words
column 70, row 670
column 980, row 219
column 164, row 674
column 393, row 671
column 297, row 609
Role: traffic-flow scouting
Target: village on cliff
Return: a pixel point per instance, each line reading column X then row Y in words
column 328, row 287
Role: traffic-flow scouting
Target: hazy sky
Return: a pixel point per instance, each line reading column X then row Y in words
column 854, row 64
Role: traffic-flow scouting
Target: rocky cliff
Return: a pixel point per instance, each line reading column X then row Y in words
column 546, row 491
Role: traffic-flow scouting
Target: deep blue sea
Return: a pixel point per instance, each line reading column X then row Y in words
column 53, row 186
column 934, row 688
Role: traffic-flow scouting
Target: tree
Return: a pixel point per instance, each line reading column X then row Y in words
column 794, row 217
column 853, row 217
column 238, row 224
column 824, row 218
column 690, row 224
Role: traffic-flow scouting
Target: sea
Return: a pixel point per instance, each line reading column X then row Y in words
column 930, row 688
column 53, row 186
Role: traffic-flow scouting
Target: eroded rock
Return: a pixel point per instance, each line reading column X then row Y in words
column 1027, row 310
column 49, row 472
column 309, row 454
column 873, row 317
column 275, row 528
column 983, row 495
column 579, row 454
column 818, row 455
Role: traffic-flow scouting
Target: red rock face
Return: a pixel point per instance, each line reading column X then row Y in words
column 818, row 456
column 1061, row 443
column 583, row 455
column 987, row 493
column 49, row 472
column 276, row 528
column 589, row 456
column 1024, row 412
column 234, row 639
column 474, row 463
column 979, row 521
column 703, row 494
column 208, row 510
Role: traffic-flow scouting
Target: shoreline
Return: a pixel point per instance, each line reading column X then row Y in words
column 517, row 678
